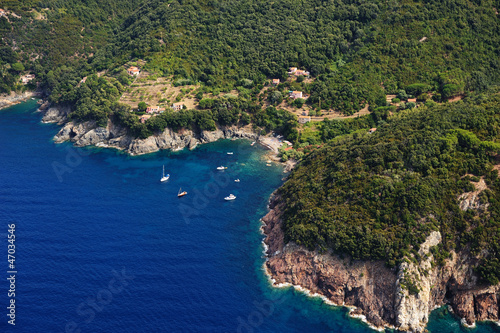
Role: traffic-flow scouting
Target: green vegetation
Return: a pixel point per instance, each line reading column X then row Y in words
column 378, row 196
column 54, row 39
column 357, row 50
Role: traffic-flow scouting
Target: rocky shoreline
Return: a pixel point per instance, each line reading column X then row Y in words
column 15, row 98
column 114, row 136
column 379, row 295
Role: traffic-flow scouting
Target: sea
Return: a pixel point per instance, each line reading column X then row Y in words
column 102, row 246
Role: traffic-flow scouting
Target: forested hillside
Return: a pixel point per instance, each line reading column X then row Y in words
column 54, row 38
column 358, row 50
column 379, row 195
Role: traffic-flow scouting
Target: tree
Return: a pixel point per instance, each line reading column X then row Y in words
column 142, row 106
column 18, row 67
column 402, row 95
column 275, row 97
column 299, row 102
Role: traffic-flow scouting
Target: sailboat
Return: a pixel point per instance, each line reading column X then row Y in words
column 181, row 194
column 164, row 178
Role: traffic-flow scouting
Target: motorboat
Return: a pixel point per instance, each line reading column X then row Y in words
column 230, row 197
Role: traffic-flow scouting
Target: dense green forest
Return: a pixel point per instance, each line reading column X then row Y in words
column 379, row 195
column 54, row 39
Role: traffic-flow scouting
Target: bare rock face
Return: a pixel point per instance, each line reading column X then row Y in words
column 412, row 310
column 486, row 306
column 57, row 114
column 401, row 298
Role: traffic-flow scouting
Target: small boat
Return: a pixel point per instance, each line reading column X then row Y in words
column 230, row 197
column 230, row 153
column 164, row 177
column 268, row 161
column 181, row 194
column 236, row 180
column 268, row 164
column 252, row 143
column 221, row 168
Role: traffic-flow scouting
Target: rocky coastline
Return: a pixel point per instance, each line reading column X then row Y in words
column 15, row 98
column 377, row 294
column 114, row 136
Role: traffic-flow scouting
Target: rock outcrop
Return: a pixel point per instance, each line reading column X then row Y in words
column 57, row 114
column 401, row 298
column 114, row 136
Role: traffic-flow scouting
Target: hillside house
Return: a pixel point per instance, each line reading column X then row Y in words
column 144, row 118
column 300, row 72
column 296, row 94
column 134, row 71
column 276, row 82
column 178, row 106
column 2, row 12
column 297, row 72
column 153, row 109
column 304, row 119
column 372, row 130
column 27, row 78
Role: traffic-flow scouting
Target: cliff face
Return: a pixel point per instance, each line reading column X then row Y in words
column 114, row 136
column 385, row 297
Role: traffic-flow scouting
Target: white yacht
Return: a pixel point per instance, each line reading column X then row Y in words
column 230, row 197
column 221, row 168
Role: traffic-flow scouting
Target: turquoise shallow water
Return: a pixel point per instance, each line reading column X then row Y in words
column 102, row 246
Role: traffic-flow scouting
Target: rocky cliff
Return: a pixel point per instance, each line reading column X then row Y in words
column 401, row 298
column 90, row 134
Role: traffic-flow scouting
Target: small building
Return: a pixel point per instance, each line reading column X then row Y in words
column 83, row 80
column 276, row 82
column 300, row 72
column 27, row 78
column 134, row 71
column 153, row 109
column 288, row 142
column 296, row 94
column 2, row 12
column 145, row 117
column 304, row 119
column 412, row 100
column 288, row 148
column 372, row 130
column 178, row 106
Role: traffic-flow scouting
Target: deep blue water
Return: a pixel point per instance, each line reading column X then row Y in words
column 103, row 246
